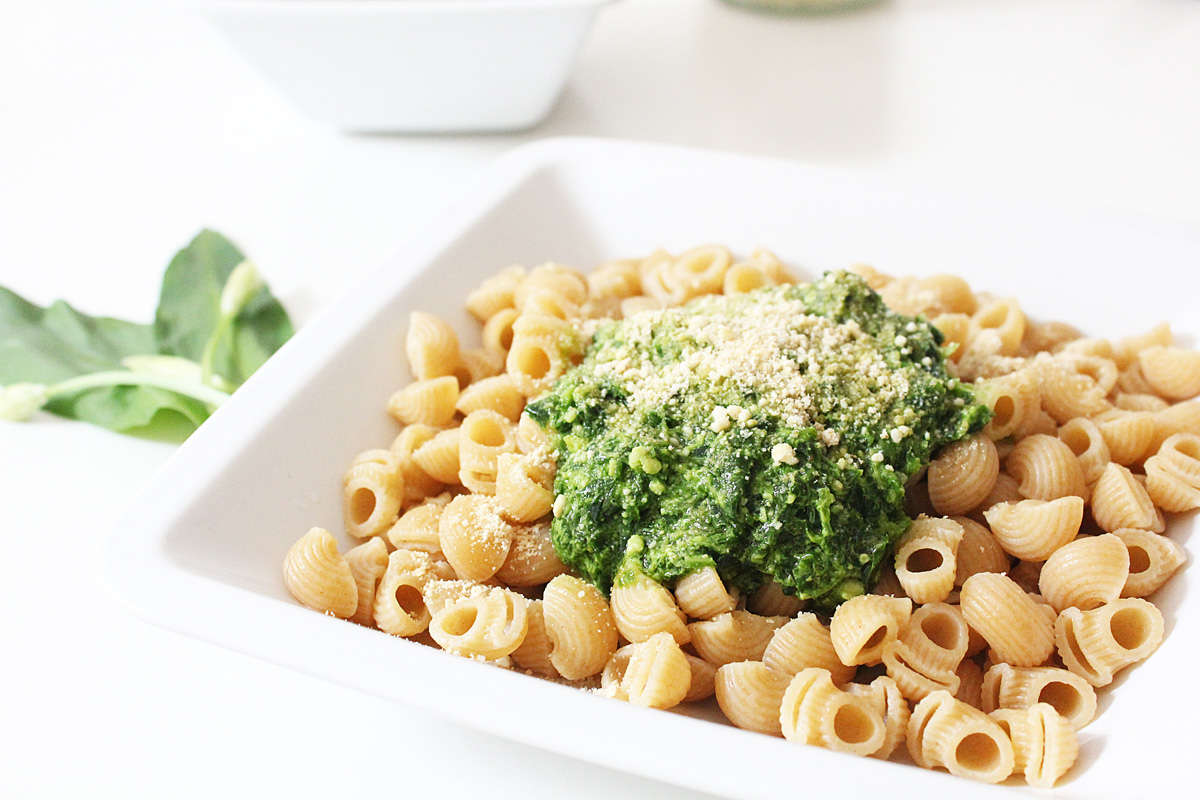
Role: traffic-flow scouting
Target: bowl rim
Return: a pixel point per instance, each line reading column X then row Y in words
column 368, row 7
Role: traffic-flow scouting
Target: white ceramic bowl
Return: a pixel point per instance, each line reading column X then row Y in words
column 411, row 65
column 201, row 550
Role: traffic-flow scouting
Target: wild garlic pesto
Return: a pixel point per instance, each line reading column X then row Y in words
column 768, row 434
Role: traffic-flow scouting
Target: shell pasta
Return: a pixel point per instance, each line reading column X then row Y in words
column 1019, row 583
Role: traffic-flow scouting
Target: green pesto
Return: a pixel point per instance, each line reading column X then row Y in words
column 662, row 482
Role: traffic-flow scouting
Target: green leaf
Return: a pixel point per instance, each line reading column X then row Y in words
column 46, row 345
column 139, row 410
column 189, row 311
column 257, row 332
column 188, row 305
column 120, row 375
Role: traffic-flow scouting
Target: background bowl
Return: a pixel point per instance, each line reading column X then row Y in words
column 409, row 66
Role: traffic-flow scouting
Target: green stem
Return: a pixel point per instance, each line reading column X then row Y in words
column 205, row 394
column 210, row 349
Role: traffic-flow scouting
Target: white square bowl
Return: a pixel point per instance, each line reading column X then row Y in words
column 409, row 66
column 200, row 551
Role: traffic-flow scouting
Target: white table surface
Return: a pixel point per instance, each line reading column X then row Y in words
column 128, row 125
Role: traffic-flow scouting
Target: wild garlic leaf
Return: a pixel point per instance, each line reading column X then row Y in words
column 137, row 410
column 46, row 345
column 146, row 380
column 189, row 311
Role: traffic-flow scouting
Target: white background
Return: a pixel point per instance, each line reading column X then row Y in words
column 128, row 125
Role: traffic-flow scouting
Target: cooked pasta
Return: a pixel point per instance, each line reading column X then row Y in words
column 1045, row 468
column 1006, row 686
column 925, row 558
column 884, row 696
column 531, row 560
column 1173, row 473
column 367, row 561
column 926, row 656
column 1067, row 393
column 735, row 636
column 1014, row 398
column 815, row 712
column 524, row 488
column 432, row 346
column 372, row 493
column 439, row 457
column 1102, row 641
column 863, row 625
column 642, row 608
column 1045, row 746
column 533, row 654
column 805, row 642
column 580, row 626
column 653, row 673
column 702, row 594
column 497, row 394
column 398, row 605
column 489, row 622
column 1127, row 434
column 318, row 575
column 750, row 694
column 1153, row 559
column 1083, row 436
column 474, row 536
column 948, row 733
column 978, row 551
column 1119, row 500
column 1034, row 529
column 1172, row 372
column 1008, row 618
column 1016, row 593
column 1085, row 573
column 963, row 474
column 418, row 484
column 429, row 402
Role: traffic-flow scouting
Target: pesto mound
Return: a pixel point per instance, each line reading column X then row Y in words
column 768, row 434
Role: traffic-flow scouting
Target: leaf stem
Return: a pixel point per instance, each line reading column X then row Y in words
column 203, row 393
column 210, row 349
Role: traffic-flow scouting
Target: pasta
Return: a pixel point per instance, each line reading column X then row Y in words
column 816, row 712
column 1033, row 529
column 1045, row 746
column 926, row 558
column 1022, row 584
column 750, row 694
column 945, row 732
column 318, row 575
column 653, row 673
column 963, row 474
column 643, row 608
column 1085, row 573
column 1009, row 687
column 1098, row 643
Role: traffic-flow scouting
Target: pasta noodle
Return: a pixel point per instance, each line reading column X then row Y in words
column 1008, row 618
column 1034, row 529
column 1153, row 559
column 948, row 733
column 816, row 712
column 1102, row 641
column 1085, row 573
column 318, row 575
column 806, row 642
column 653, row 673
column 1006, row 686
column 1014, row 596
column 963, row 474
column 750, row 694
column 925, row 558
